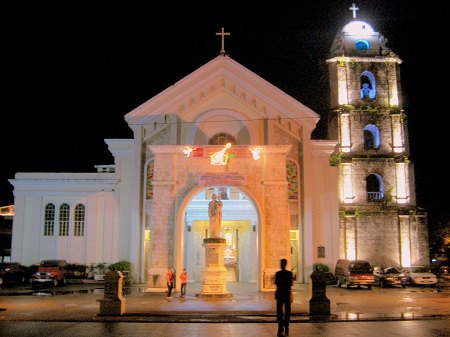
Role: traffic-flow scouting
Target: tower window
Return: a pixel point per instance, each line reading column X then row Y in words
column 371, row 137
column 362, row 45
column 368, row 85
column 374, row 187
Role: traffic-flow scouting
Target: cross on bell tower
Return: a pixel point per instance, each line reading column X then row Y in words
column 354, row 9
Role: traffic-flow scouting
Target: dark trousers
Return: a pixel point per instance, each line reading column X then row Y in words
column 169, row 289
column 183, row 289
column 283, row 322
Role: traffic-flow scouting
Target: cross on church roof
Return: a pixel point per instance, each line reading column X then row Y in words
column 222, row 52
column 354, row 9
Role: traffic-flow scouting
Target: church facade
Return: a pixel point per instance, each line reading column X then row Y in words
column 225, row 130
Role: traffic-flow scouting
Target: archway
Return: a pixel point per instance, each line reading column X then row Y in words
column 240, row 227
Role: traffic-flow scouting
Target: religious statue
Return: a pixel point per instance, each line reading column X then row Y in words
column 215, row 216
column 365, row 91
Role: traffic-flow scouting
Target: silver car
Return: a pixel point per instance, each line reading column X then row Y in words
column 420, row 275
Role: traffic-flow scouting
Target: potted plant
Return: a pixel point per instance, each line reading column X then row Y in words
column 125, row 268
column 325, row 271
column 99, row 271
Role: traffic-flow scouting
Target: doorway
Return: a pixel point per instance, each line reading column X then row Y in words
column 239, row 222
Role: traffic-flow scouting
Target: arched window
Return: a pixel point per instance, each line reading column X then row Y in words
column 64, row 213
column 292, row 179
column 371, row 137
column 222, row 139
column 80, row 220
column 362, row 45
column 49, row 220
column 374, row 187
column 149, row 186
column 368, row 85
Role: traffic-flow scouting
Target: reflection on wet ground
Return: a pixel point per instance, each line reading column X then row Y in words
column 97, row 287
column 82, row 303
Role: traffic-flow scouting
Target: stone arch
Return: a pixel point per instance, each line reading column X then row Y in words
column 219, row 120
column 184, row 236
column 371, row 135
column 374, row 187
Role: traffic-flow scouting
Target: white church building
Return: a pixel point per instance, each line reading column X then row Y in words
column 223, row 129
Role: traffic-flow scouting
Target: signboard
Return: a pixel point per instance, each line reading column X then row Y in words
column 321, row 251
column 212, row 288
column 209, row 179
column 198, row 152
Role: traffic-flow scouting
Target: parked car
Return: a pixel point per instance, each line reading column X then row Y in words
column 11, row 273
column 420, row 275
column 389, row 276
column 354, row 273
column 50, row 272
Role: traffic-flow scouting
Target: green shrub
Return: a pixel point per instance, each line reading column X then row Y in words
column 321, row 267
column 120, row 266
column 125, row 268
column 76, row 270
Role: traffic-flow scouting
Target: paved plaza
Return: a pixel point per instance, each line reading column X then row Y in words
column 74, row 311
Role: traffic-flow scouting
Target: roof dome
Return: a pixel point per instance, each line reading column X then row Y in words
column 358, row 38
column 358, row 28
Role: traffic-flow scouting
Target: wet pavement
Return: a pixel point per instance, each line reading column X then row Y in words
column 73, row 310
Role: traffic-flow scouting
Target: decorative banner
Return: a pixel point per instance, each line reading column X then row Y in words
column 210, row 179
column 208, row 152
column 236, row 152
column 220, row 157
column 198, row 152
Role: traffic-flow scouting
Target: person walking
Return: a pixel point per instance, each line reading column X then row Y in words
column 184, row 279
column 283, row 281
column 169, row 280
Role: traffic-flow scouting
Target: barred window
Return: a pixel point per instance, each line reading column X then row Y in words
column 78, row 226
column 374, row 187
column 49, row 220
column 64, row 212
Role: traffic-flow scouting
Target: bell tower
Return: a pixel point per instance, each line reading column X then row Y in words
column 379, row 220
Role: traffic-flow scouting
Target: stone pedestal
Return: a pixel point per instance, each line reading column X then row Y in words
column 319, row 304
column 157, row 280
column 113, row 303
column 215, row 273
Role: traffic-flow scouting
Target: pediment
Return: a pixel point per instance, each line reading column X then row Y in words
column 226, row 86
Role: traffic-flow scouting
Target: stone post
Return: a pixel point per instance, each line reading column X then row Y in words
column 113, row 303
column 319, row 304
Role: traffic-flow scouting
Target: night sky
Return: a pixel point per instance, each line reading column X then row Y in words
column 71, row 72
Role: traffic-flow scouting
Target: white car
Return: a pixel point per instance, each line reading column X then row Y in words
column 420, row 275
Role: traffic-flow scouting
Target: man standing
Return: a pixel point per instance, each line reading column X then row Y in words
column 283, row 281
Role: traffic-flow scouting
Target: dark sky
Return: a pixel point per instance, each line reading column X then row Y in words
column 72, row 71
